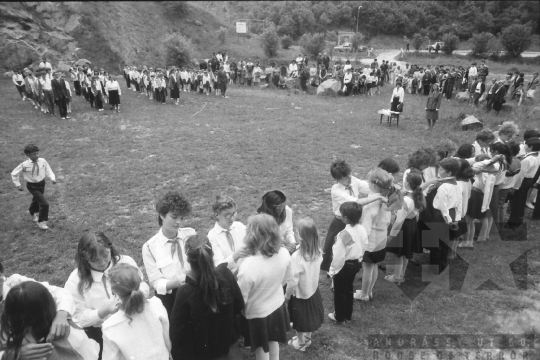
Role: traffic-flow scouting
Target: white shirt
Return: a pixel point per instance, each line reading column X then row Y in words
column 351, row 243
column 347, row 78
column 347, row 66
column 398, row 93
column 138, row 337
column 465, row 187
column 408, row 211
column 18, row 79
column 529, row 166
column 375, row 219
column 32, row 172
column 286, row 228
column 293, row 68
column 473, row 71
column 45, row 65
column 160, row 265
column 261, row 281
column 46, row 83
column 305, row 276
column 97, row 296
column 341, row 194
column 220, row 245
column 480, row 150
column 448, row 197
column 113, row 85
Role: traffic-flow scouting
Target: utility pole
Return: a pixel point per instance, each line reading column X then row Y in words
column 357, row 17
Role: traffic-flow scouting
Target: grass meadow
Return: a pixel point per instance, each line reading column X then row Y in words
column 110, row 168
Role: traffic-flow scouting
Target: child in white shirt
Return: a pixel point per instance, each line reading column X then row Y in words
column 305, row 301
column 348, row 251
column 140, row 328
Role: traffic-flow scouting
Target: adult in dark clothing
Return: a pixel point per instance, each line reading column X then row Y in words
column 477, row 89
column 304, row 77
column 326, row 61
column 426, row 82
column 432, row 106
column 203, row 65
column 222, row 81
column 203, row 321
column 498, row 97
column 491, row 88
column 61, row 94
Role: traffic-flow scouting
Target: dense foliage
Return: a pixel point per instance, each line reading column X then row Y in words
column 270, row 41
column 313, row 44
column 451, row 42
column 431, row 18
column 178, row 50
column 286, row 41
column 516, row 39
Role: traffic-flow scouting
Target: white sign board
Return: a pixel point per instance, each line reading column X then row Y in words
column 241, row 28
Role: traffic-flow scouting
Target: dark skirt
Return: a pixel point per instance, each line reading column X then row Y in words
column 407, row 238
column 374, row 257
column 497, row 105
column 432, row 115
column 114, row 98
column 474, row 209
column 259, row 332
column 307, row 315
column 77, row 85
column 395, row 103
column 175, row 92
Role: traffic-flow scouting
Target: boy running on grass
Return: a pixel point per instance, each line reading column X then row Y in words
column 34, row 171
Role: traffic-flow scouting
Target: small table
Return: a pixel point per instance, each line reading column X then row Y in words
column 390, row 115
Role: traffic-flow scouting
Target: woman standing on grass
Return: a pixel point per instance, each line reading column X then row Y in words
column 112, row 87
column 432, row 106
column 396, row 100
column 273, row 204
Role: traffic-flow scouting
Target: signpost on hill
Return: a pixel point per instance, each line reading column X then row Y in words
column 242, row 27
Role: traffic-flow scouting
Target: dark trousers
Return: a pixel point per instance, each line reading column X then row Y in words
column 336, row 226
column 49, row 100
column 62, row 106
column 275, row 80
column 343, row 290
column 91, row 97
column 99, row 100
column 489, row 102
column 349, row 89
column 128, row 83
column 223, row 88
column 21, row 89
column 77, row 85
column 536, row 211
column 426, row 89
column 438, row 239
column 96, row 334
column 168, row 301
column 518, row 203
column 39, row 203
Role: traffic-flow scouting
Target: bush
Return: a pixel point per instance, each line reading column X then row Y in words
column 313, row 44
column 286, row 42
column 222, row 34
column 516, row 39
column 270, row 41
column 451, row 42
column 357, row 40
column 417, row 41
column 178, row 50
column 480, row 43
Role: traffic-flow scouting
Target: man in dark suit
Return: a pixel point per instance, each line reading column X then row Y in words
column 61, row 95
column 326, row 61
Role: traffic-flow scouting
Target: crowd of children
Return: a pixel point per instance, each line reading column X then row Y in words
column 255, row 281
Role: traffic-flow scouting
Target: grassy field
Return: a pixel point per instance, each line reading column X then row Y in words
column 110, row 168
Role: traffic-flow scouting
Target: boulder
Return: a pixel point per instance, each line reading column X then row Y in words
column 292, row 83
column 9, row 74
column 328, row 87
column 198, row 23
column 463, row 95
column 72, row 23
column 57, row 40
column 12, row 11
column 16, row 55
column 471, row 123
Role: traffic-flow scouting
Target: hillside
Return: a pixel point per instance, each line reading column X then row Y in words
column 109, row 34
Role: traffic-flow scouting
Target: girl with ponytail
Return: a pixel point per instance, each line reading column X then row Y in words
column 403, row 239
column 140, row 328
column 203, row 319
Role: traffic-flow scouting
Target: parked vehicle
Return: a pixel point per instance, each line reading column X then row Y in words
column 432, row 47
column 347, row 47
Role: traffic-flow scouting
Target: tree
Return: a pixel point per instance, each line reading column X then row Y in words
column 313, row 44
column 178, row 50
column 357, row 40
column 222, row 34
column 451, row 42
column 417, row 41
column 516, row 39
column 270, row 41
column 286, row 42
column 480, row 43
